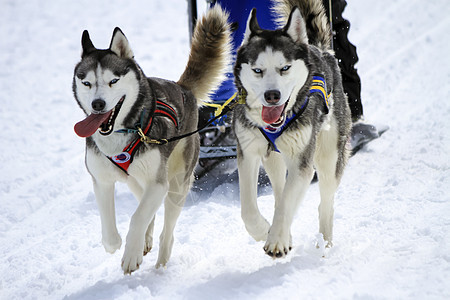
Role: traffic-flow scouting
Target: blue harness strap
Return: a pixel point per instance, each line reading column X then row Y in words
column 318, row 86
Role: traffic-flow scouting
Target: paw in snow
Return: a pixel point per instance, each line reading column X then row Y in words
column 160, row 264
column 112, row 243
column 163, row 258
column 319, row 247
column 322, row 243
column 278, row 243
column 165, row 251
column 132, row 259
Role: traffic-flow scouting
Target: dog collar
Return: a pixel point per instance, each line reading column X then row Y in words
column 124, row 159
column 318, row 86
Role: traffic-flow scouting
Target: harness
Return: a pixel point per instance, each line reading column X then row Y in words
column 318, row 86
column 124, row 159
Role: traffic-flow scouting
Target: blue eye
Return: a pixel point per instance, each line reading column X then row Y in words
column 86, row 83
column 257, row 70
column 285, row 68
column 113, row 81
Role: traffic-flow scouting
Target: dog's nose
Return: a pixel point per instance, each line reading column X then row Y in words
column 272, row 96
column 98, row 104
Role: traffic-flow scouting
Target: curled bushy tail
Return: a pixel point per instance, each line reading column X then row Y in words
column 210, row 54
column 313, row 12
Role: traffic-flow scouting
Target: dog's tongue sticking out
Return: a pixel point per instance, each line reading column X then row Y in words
column 88, row 126
column 271, row 114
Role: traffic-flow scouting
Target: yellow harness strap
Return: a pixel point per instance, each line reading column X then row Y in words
column 220, row 107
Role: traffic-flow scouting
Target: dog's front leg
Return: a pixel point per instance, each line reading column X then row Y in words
column 279, row 242
column 248, row 168
column 173, row 204
column 149, row 204
column 138, row 191
column 104, row 195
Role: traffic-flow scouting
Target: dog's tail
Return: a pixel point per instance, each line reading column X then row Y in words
column 210, row 54
column 313, row 12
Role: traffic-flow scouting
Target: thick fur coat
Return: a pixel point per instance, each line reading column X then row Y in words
column 277, row 70
column 116, row 96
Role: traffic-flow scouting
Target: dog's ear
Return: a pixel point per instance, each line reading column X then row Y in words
column 119, row 44
column 252, row 26
column 86, row 44
column 296, row 27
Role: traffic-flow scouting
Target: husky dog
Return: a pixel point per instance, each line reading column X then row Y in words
column 122, row 105
column 296, row 118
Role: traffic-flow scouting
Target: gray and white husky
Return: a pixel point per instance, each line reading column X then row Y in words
column 119, row 101
column 296, row 119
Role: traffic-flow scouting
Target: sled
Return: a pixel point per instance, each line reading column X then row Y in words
column 362, row 134
column 217, row 140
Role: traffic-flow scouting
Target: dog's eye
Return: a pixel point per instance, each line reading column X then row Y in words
column 86, row 83
column 113, row 81
column 257, row 70
column 285, row 68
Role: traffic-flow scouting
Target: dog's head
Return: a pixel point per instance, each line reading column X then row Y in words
column 103, row 81
column 271, row 64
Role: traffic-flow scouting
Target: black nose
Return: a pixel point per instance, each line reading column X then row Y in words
column 272, row 96
column 98, row 104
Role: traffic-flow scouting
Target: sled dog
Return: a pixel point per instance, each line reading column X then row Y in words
column 125, row 111
column 295, row 119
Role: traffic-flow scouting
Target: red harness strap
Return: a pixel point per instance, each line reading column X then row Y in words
column 124, row 159
column 164, row 109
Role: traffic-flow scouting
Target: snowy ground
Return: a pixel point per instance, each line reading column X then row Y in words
column 392, row 217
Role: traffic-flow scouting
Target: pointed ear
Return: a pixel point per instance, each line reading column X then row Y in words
column 252, row 26
column 119, row 44
column 296, row 27
column 86, row 44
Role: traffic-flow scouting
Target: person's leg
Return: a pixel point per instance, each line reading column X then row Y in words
column 347, row 57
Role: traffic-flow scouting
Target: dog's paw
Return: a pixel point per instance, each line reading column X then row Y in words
column 278, row 245
column 163, row 259
column 112, row 243
column 163, row 256
column 258, row 230
column 160, row 264
column 148, row 245
column 326, row 245
column 277, row 250
column 132, row 259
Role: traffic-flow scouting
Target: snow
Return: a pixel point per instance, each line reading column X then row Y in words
column 392, row 216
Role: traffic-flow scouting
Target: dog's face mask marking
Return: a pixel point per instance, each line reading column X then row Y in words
column 272, row 68
column 100, row 85
column 270, row 81
column 102, row 82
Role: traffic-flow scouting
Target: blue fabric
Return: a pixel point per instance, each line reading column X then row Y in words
column 239, row 11
column 272, row 133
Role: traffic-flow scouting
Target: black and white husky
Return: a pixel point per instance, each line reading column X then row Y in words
column 296, row 119
column 122, row 105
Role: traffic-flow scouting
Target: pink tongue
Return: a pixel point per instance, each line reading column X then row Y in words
column 88, row 126
column 271, row 114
